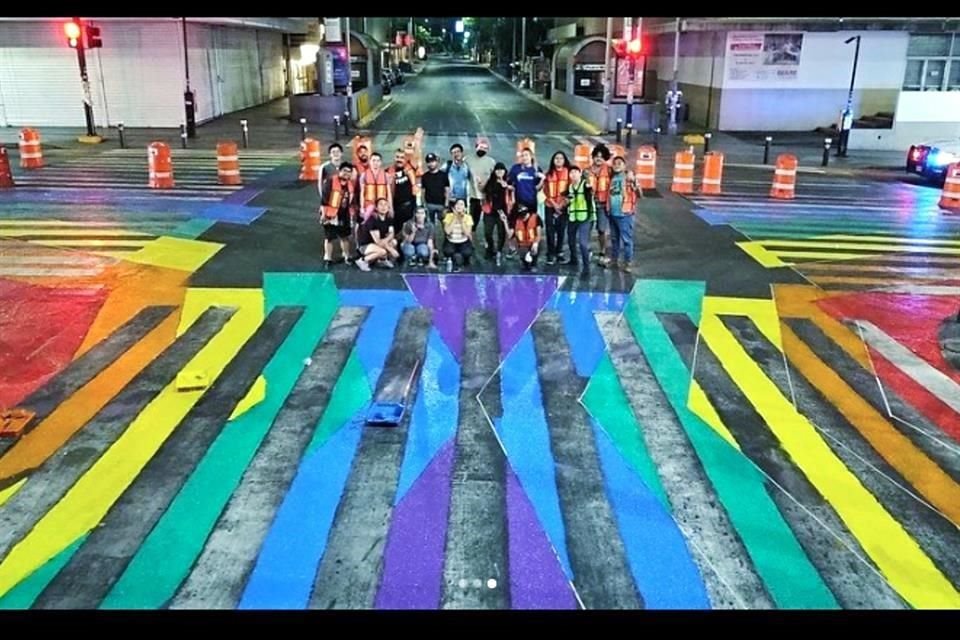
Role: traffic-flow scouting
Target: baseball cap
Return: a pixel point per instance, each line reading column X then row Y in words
column 483, row 143
column 431, row 157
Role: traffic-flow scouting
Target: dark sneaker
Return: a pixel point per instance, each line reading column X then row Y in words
column 551, row 260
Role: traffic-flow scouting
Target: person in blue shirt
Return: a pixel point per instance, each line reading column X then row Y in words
column 525, row 180
column 458, row 173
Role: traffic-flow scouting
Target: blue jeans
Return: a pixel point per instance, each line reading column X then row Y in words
column 578, row 235
column 621, row 231
column 420, row 249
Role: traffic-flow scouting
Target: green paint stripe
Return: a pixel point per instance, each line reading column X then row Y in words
column 351, row 393
column 607, row 402
column 780, row 561
column 167, row 555
column 23, row 595
column 190, row 229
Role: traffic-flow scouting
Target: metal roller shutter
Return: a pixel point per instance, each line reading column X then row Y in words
column 203, row 71
column 239, row 68
column 39, row 76
column 138, row 74
column 271, row 64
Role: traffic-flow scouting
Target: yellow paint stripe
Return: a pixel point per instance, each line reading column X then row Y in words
column 896, row 239
column 175, row 253
column 763, row 312
column 908, row 569
column 929, row 479
column 94, row 231
column 91, row 497
column 758, row 252
column 698, row 402
column 865, row 246
column 7, row 493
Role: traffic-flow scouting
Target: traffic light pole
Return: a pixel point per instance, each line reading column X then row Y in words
column 84, row 79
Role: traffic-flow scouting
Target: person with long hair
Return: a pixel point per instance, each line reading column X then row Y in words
column 555, row 186
column 496, row 206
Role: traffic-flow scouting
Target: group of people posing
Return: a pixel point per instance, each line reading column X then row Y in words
column 392, row 213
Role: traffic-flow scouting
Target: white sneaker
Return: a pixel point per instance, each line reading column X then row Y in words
column 363, row 265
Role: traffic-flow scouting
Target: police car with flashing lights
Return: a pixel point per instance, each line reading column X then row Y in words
column 931, row 159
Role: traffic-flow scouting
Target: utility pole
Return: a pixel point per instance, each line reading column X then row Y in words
column 673, row 96
column 346, row 37
column 188, row 100
column 607, row 73
column 84, row 78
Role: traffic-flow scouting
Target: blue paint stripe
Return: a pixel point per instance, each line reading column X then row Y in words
column 661, row 564
column 235, row 213
column 286, row 568
column 435, row 412
column 523, row 432
column 576, row 311
column 373, row 342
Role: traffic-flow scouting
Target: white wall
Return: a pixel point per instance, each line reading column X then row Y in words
column 922, row 116
column 818, row 93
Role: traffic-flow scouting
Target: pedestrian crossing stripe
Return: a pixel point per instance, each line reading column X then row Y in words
column 774, row 253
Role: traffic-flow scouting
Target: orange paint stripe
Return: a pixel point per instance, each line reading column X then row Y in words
column 938, row 488
column 48, row 436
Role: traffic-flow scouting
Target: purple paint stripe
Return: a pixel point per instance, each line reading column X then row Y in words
column 537, row 580
column 413, row 559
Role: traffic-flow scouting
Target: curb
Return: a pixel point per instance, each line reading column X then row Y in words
column 592, row 129
column 376, row 113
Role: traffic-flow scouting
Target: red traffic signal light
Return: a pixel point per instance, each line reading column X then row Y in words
column 93, row 37
column 72, row 31
column 628, row 48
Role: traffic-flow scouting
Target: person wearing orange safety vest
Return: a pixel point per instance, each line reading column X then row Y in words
column 555, row 206
column 599, row 175
column 622, row 205
column 403, row 185
column 337, row 212
column 374, row 184
column 527, row 232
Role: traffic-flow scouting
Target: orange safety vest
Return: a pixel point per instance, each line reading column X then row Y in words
column 600, row 183
column 374, row 189
column 629, row 197
column 526, row 229
column 556, row 185
column 334, row 198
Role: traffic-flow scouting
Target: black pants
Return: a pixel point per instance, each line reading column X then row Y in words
column 492, row 221
column 556, row 226
column 460, row 252
column 579, row 237
column 475, row 212
column 402, row 212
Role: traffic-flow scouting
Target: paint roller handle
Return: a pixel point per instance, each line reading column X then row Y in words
column 406, row 391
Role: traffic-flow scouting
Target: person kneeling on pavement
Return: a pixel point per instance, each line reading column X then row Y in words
column 527, row 233
column 375, row 239
column 417, row 244
column 458, row 227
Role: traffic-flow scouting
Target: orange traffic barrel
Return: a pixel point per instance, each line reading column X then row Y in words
column 646, row 167
column 31, row 153
column 310, row 160
column 950, row 198
column 526, row 143
column 160, row 166
column 228, row 163
column 6, row 175
column 683, row 172
column 712, row 172
column 784, row 177
column 581, row 155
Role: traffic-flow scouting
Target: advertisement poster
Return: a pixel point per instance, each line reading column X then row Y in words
column 765, row 57
column 623, row 78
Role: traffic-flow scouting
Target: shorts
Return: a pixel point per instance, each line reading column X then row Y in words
column 334, row 231
column 603, row 218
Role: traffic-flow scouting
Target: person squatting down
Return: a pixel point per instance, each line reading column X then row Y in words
column 417, row 243
column 458, row 227
column 338, row 211
column 375, row 239
column 527, row 233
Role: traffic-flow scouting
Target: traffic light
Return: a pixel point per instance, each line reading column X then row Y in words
column 628, row 48
column 93, row 37
column 72, row 31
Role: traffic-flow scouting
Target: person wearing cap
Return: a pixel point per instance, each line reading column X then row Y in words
column 481, row 166
column 434, row 188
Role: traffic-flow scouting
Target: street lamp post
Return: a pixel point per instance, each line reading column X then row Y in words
column 846, row 120
column 673, row 95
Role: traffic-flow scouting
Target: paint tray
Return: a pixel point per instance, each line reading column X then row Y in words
column 389, row 412
column 192, row 381
column 14, row 421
